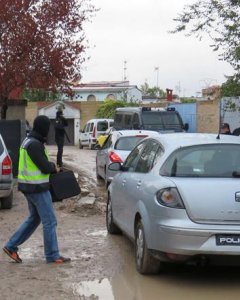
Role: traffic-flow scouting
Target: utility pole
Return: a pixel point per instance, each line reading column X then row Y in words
column 157, row 70
column 125, row 70
column 178, row 88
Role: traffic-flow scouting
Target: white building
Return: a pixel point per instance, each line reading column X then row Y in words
column 99, row 91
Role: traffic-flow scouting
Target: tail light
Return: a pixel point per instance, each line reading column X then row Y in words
column 114, row 157
column 94, row 132
column 7, row 166
column 170, row 197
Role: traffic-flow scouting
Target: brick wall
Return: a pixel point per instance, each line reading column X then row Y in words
column 31, row 111
column 207, row 113
column 208, row 116
column 16, row 110
column 88, row 111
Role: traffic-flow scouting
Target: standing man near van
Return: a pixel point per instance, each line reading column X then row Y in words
column 60, row 124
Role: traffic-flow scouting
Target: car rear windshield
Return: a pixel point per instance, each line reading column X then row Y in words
column 157, row 120
column 102, row 126
column 127, row 143
column 204, row 161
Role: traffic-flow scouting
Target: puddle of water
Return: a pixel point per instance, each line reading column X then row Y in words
column 98, row 289
column 98, row 233
column 31, row 252
column 86, row 255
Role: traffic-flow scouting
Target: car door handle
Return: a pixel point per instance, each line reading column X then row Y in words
column 123, row 181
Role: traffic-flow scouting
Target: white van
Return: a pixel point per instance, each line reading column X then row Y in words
column 92, row 130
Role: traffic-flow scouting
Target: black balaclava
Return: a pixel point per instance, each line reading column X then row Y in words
column 59, row 113
column 41, row 125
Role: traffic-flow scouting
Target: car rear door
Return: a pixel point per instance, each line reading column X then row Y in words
column 138, row 182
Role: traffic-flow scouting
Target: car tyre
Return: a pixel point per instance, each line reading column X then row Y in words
column 91, row 146
column 145, row 262
column 111, row 226
column 6, row 202
column 97, row 175
column 80, row 145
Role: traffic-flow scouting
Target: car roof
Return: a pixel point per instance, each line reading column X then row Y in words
column 96, row 120
column 148, row 133
column 177, row 140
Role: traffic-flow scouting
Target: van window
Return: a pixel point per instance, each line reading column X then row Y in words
column 118, row 119
column 87, row 127
column 102, row 126
column 91, row 127
column 136, row 122
column 127, row 121
column 159, row 120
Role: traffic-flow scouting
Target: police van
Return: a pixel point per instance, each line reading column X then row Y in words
column 148, row 118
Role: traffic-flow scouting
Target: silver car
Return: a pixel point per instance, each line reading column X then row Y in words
column 178, row 197
column 116, row 148
column 6, row 177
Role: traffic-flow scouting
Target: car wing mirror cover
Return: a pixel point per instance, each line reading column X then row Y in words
column 115, row 166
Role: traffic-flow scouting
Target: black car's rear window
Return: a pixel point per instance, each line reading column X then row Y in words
column 128, row 142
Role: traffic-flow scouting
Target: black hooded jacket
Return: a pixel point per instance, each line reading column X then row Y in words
column 60, row 125
column 36, row 151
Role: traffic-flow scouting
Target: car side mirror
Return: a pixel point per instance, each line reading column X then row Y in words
column 115, row 167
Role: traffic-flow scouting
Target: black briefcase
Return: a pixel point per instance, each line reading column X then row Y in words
column 63, row 185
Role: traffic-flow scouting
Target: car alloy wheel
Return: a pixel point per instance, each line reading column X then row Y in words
column 139, row 245
column 145, row 262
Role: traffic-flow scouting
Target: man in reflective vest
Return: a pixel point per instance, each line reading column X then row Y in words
column 33, row 181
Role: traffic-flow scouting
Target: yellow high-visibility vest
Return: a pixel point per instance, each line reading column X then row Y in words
column 28, row 172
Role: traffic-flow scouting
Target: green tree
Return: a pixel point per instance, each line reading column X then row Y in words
column 231, row 88
column 35, row 95
column 107, row 109
column 188, row 100
column 220, row 19
column 152, row 91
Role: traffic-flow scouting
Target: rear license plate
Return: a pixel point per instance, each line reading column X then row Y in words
column 228, row 240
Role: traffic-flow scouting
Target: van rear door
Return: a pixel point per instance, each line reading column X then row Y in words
column 162, row 121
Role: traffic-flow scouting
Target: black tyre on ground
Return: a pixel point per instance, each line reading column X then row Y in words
column 6, row 203
column 80, row 145
column 145, row 262
column 111, row 226
column 97, row 175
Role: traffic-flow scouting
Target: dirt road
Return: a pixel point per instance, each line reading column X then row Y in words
column 102, row 266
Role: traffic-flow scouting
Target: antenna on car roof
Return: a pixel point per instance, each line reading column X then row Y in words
column 219, row 126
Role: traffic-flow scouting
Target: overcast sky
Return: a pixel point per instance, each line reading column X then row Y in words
column 136, row 31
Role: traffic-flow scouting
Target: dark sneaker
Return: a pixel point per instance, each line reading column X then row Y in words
column 61, row 260
column 13, row 255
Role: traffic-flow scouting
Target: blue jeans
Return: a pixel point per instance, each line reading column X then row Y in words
column 40, row 210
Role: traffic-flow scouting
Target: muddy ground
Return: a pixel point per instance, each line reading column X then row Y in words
column 82, row 236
